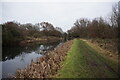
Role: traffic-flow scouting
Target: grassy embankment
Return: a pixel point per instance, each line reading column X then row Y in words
column 83, row 61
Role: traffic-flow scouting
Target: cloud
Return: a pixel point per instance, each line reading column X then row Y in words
column 0, row 12
column 59, row 0
column 61, row 14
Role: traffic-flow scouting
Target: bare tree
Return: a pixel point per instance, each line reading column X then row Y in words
column 114, row 16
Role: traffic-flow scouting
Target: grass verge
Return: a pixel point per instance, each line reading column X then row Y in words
column 83, row 61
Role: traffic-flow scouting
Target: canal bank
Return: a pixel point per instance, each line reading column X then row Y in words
column 85, row 61
column 47, row 65
column 19, row 57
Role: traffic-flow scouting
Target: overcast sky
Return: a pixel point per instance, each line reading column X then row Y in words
column 58, row 12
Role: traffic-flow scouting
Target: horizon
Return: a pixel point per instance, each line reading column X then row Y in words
column 60, row 14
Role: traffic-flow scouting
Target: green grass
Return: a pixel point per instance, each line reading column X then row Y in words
column 83, row 61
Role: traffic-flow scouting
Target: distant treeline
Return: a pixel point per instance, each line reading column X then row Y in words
column 13, row 32
column 98, row 27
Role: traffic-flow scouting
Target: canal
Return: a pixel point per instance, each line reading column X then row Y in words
column 14, row 58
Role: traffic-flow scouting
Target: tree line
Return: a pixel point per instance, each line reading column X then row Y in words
column 98, row 27
column 14, row 32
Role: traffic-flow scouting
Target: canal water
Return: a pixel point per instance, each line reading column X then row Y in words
column 14, row 58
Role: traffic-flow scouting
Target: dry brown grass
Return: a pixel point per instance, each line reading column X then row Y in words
column 107, row 52
column 46, row 66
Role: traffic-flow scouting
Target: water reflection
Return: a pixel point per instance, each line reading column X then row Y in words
column 19, row 57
